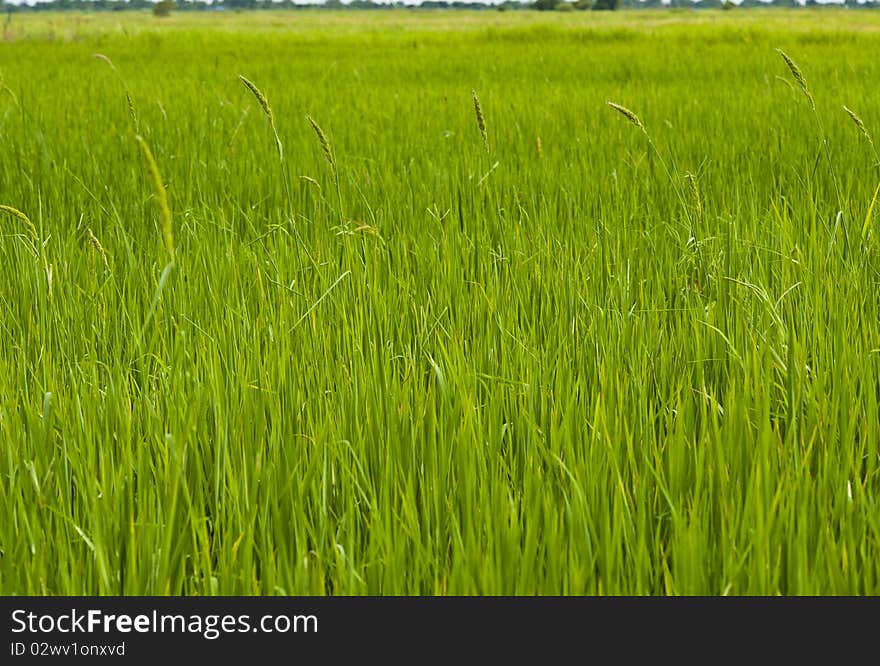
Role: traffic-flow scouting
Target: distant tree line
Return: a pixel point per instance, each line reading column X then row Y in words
column 165, row 7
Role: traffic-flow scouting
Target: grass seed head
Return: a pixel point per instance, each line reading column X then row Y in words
column 21, row 216
column 481, row 119
column 629, row 115
column 859, row 124
column 264, row 104
column 103, row 58
column 695, row 193
column 97, row 247
column 160, row 194
column 322, row 139
column 799, row 77
column 259, row 96
column 132, row 111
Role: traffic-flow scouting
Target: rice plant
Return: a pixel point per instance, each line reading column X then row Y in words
column 562, row 347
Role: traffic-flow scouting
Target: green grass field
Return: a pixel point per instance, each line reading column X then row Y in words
column 576, row 358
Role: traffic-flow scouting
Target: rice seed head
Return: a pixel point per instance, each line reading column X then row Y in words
column 859, row 124
column 539, row 147
column 798, row 76
column 481, row 119
column 160, row 194
column 629, row 115
column 264, row 104
column 322, row 139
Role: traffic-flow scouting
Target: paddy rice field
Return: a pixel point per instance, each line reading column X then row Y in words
column 411, row 309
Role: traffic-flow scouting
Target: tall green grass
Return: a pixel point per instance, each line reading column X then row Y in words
column 585, row 363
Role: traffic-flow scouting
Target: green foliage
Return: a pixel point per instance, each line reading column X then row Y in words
column 164, row 8
column 603, row 357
